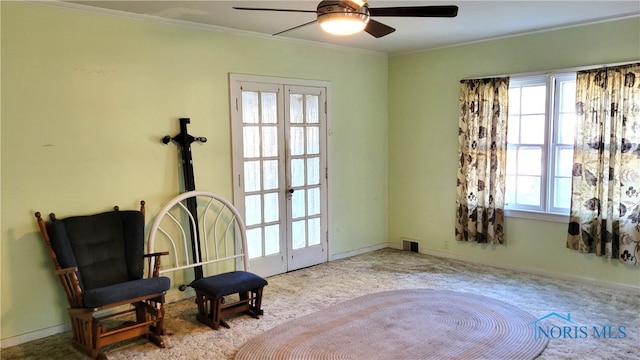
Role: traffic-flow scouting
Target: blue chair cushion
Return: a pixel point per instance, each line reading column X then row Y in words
column 124, row 291
column 229, row 283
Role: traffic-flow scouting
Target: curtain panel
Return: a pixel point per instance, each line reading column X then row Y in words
column 605, row 201
column 482, row 137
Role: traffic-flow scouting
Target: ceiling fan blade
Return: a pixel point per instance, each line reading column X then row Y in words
column 267, row 9
column 378, row 29
column 416, row 11
column 295, row 27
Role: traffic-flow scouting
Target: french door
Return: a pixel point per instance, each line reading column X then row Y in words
column 280, row 170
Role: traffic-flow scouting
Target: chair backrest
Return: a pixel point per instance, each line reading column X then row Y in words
column 107, row 248
column 219, row 243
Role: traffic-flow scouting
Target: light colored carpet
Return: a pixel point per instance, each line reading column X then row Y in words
column 404, row 325
column 302, row 292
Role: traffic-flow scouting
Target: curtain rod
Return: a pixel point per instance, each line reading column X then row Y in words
column 555, row 71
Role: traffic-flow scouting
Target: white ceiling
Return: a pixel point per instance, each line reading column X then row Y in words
column 476, row 20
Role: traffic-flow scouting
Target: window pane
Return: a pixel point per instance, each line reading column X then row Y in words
column 314, row 231
column 529, row 161
column 297, row 172
column 568, row 96
column 566, row 128
column 253, row 209
column 510, row 191
column 528, row 190
column 250, row 107
column 298, row 233
column 532, row 129
column 251, row 141
column 269, row 108
column 513, row 129
column 534, row 99
column 272, row 239
column 269, row 141
column 296, row 109
column 562, row 198
column 297, row 140
column 251, row 176
column 271, row 207
column 254, row 243
column 312, row 109
column 514, row 101
column 564, row 162
column 270, row 174
column 512, row 160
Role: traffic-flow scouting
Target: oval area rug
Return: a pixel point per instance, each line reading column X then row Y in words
column 404, row 324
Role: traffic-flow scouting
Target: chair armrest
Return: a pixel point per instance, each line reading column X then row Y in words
column 153, row 263
column 69, row 279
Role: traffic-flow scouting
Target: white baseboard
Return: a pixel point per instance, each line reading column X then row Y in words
column 529, row 270
column 172, row 296
column 359, row 251
column 34, row 335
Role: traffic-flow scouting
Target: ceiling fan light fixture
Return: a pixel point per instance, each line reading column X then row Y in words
column 343, row 24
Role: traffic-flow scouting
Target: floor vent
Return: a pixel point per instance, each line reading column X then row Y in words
column 410, row 245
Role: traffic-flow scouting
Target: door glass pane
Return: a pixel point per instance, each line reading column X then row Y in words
column 272, row 239
column 312, row 109
column 269, row 141
column 270, row 174
column 313, row 171
column 269, row 108
column 313, row 140
column 251, row 176
column 253, row 209
column 314, row 231
column 250, row 114
column 254, row 243
column 313, row 198
column 296, row 111
column 251, row 141
column 298, row 205
column 297, row 172
column 271, row 207
column 297, row 140
column 298, row 234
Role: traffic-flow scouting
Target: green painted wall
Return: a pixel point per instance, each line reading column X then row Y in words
column 423, row 142
column 86, row 98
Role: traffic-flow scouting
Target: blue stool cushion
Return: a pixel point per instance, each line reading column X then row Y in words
column 229, row 283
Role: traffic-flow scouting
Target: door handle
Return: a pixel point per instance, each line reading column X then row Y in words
column 291, row 191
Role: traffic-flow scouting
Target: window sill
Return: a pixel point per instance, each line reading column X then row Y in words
column 534, row 215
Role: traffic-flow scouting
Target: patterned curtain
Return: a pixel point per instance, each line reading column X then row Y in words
column 482, row 137
column 605, row 199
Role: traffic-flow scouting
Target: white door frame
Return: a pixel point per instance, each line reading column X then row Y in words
column 235, row 82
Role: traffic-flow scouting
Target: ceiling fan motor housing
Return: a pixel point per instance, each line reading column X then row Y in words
column 344, row 9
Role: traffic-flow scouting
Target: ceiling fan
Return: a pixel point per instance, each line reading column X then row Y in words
column 343, row 17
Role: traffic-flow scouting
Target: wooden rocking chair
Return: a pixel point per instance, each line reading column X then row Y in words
column 100, row 262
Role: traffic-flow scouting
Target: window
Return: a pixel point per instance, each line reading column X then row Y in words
column 540, row 143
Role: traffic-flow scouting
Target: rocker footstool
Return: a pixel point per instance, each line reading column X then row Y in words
column 211, row 290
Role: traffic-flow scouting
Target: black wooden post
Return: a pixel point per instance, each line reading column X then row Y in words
column 184, row 140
